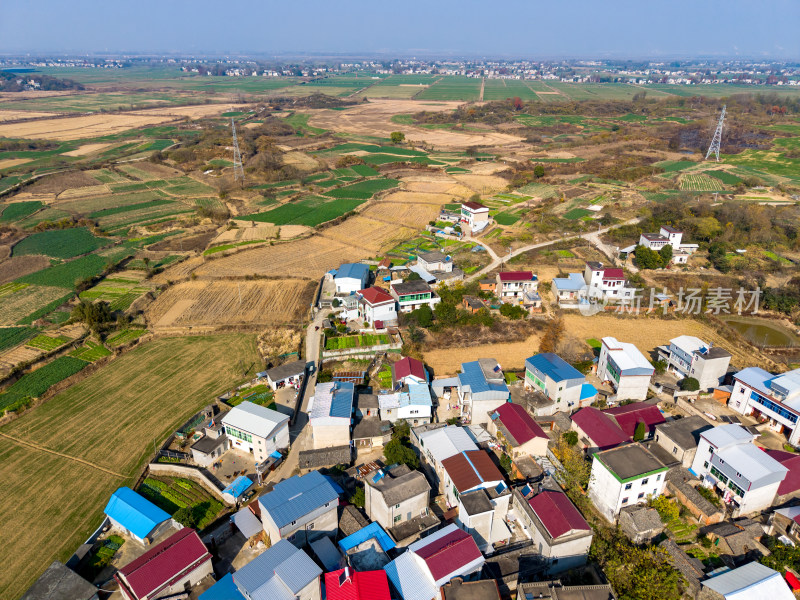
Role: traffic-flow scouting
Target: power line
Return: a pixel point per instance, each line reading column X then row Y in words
column 717, row 139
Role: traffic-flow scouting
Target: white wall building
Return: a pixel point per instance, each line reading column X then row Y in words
column 776, row 398
column 374, row 304
column 330, row 414
column 474, row 214
column 604, row 283
column 689, row 356
column 625, row 368
column 351, row 277
column 256, row 429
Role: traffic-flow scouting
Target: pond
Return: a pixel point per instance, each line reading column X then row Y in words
column 763, row 332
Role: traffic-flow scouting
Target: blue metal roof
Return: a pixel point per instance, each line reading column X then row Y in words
column 373, row 530
column 238, row 486
column 756, row 377
column 354, row 270
column 334, row 485
column 419, row 394
column 472, row 375
column 553, row 366
column 588, row 391
column 573, row 282
column 224, row 589
column 135, row 513
column 297, row 496
column 293, row 566
column 342, row 400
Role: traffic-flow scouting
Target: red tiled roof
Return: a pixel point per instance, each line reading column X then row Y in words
column 471, row 468
column 557, row 513
column 164, row 564
column 473, row 205
column 629, row 415
column 449, row 553
column 361, row 585
column 409, row 366
column 385, row 263
column 516, row 276
column 600, row 428
column 613, row 274
column 519, row 423
column 791, row 461
column 375, row 295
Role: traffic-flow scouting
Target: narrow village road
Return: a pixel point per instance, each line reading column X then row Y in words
column 593, row 237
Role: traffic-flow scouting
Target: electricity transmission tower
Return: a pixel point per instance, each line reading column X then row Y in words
column 238, row 170
column 717, row 139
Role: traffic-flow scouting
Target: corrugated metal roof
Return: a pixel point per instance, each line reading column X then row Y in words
column 752, row 580
column 327, row 553
column 360, row 585
column 409, row 578
column 353, row 270
column 599, row 427
column 373, row 530
column 519, row 423
column 473, row 380
column 723, row 436
column 627, row 357
column 448, row 553
column 630, row 415
column 756, row 378
column 333, row 399
column 135, row 513
column 296, row 497
column 751, row 461
column 247, row 522
column 447, row 441
column 294, row 568
column 224, row 589
column 470, row 469
column 558, row 515
column 553, row 366
column 573, row 282
column 419, row 394
column 238, row 486
column 255, row 419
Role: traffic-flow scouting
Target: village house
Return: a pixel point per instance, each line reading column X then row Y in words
column 513, row 285
column 411, row 295
column 377, row 307
column 606, row 284
column 349, row 584
column 623, row 366
column 330, row 413
column 488, row 284
column 458, row 589
column 136, row 517
column 772, row 399
column 680, row 437
column 412, row 403
column 602, row 430
column 256, row 429
column 640, row 524
column 437, row 444
column 429, row 563
column 559, row 381
column 516, row 430
column 290, row 373
column 408, row 370
column 555, row 590
column 371, row 432
column 475, row 214
column 467, row 471
column 214, row 443
column 472, row 304
column 350, row 277
column 746, row 476
column 481, row 389
column 752, row 580
column 367, row 548
column 689, row 356
column 395, row 496
column 668, row 235
column 569, row 291
column 59, row 582
column 558, row 531
column 300, row 509
column 281, row 572
column 436, row 267
column 172, row 567
column 624, row 476
column 789, row 488
column 482, row 514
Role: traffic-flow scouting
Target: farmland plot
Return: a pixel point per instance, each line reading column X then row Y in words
column 700, row 182
column 219, row 303
column 413, row 215
column 368, row 233
column 24, row 300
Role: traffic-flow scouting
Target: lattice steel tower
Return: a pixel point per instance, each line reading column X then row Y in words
column 717, row 139
column 238, row 169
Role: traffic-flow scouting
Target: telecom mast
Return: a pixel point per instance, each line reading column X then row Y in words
column 238, row 170
column 717, row 139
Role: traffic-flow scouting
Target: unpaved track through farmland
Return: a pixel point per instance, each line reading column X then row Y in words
column 41, row 448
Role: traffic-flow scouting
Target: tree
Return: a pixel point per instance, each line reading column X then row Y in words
column 358, row 499
column 446, row 314
column 639, row 432
column 570, row 437
column 512, row 311
column 576, row 468
column 336, row 303
column 689, row 384
column 667, row 510
column 660, row 367
column 422, row 315
column 517, row 102
column 666, row 254
column 94, row 314
column 397, row 137
column 413, row 276
column 645, row 258
column 538, row 171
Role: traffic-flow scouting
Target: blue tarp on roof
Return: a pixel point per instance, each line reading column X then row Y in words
column 588, row 391
column 373, row 530
column 224, row 589
column 553, row 366
column 238, row 486
column 133, row 512
column 297, row 496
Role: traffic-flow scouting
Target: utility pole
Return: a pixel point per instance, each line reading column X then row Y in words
column 717, row 139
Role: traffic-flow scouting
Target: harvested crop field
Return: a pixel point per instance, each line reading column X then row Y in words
column 15, row 115
column 13, row 162
column 19, row 266
column 178, row 271
column 88, row 440
column 217, row 303
column 86, row 149
column 512, row 355
column 310, row 257
column 75, row 128
column 262, row 231
column 403, row 197
column 370, row 234
column 413, row 215
column 484, row 184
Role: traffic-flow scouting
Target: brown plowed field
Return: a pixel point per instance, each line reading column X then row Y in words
column 220, row 303
column 413, row 215
column 369, row 234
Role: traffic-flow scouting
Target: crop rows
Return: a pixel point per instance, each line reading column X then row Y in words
column 91, row 352
column 60, row 243
column 699, row 182
column 36, row 383
column 47, row 343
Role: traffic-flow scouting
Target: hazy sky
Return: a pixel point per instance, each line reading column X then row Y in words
column 528, row 28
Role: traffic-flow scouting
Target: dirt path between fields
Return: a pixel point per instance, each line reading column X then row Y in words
column 67, row 456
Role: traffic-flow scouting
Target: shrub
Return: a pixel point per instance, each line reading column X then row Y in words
column 689, row 384
column 358, row 499
column 570, row 437
column 639, row 432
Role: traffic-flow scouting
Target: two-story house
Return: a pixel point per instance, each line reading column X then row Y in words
column 606, row 284
column 570, row 291
column 412, row 403
column 300, row 509
column 376, row 306
column 516, row 430
column 689, row 356
column 482, row 513
column 256, row 429
column 350, row 277
column 408, row 370
column 680, row 437
column 559, row 381
column 481, row 389
column 474, row 214
column 623, row 366
column 411, row 295
column 559, row 533
column 281, row 572
column 625, row 476
column 467, row 471
column 774, row 399
column 745, row 475
column 669, row 235
column 436, row 444
column 512, row 286
column 330, row 414
column 395, row 496
column 604, row 429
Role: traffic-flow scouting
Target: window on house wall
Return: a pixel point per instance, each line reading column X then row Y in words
column 397, row 518
column 624, row 500
column 628, row 486
column 705, row 464
column 640, row 496
column 675, row 450
column 645, row 480
column 659, row 477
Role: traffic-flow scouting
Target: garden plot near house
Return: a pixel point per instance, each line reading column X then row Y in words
column 221, row 303
column 174, row 493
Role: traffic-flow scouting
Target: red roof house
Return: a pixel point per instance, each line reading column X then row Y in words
column 449, row 553
column 408, row 370
column 613, row 274
column 598, row 429
column 469, row 470
column 518, row 429
column 790, row 483
column 516, row 276
column 628, row 416
column 557, row 513
column 375, row 295
column 474, row 206
column 347, row 584
column 165, row 569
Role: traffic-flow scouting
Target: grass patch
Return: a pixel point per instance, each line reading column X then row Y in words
column 19, row 210
column 724, row 177
column 13, row 336
column 60, row 243
column 258, row 394
column 125, row 336
column 565, row 254
column 364, row 189
column 47, row 343
column 506, row 218
column 68, row 274
column 577, row 213
column 673, row 166
column 309, row 211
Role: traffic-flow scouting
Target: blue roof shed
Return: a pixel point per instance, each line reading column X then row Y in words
column 224, row 589
column 134, row 513
column 352, row 270
column 373, row 530
column 238, row 486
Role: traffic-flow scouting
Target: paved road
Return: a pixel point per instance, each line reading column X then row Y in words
column 593, row 237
